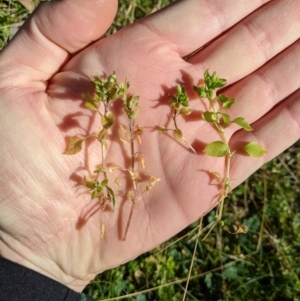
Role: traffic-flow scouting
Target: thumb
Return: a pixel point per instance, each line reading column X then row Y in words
column 54, row 32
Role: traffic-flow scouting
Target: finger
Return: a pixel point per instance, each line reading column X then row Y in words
column 262, row 90
column 188, row 25
column 276, row 131
column 53, row 32
column 252, row 42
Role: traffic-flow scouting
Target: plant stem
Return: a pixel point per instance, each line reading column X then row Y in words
column 108, row 197
column 193, row 259
column 132, row 151
column 128, row 221
column 174, row 117
column 226, row 180
column 131, row 128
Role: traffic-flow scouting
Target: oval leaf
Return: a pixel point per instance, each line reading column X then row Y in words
column 74, row 145
column 161, row 129
column 254, row 149
column 177, row 134
column 209, row 116
column 228, row 104
column 90, row 103
column 216, row 149
column 243, row 123
column 102, row 134
column 226, row 118
column 185, row 111
column 133, row 114
column 107, row 120
column 88, row 182
column 222, row 98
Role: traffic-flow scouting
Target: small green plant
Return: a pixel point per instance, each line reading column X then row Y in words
column 108, row 90
column 218, row 116
column 131, row 108
column 180, row 106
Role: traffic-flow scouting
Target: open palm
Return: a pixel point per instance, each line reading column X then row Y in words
column 47, row 220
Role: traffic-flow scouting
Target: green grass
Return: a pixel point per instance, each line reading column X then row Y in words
column 263, row 264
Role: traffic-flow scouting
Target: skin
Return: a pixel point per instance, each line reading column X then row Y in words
column 47, row 220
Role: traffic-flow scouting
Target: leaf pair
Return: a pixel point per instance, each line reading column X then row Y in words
column 74, row 145
column 131, row 106
column 100, row 190
column 212, row 82
column 179, row 99
column 221, row 149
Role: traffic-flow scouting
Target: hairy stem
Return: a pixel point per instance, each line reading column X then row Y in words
column 131, row 128
column 128, row 221
column 132, row 152
column 226, row 180
column 174, row 117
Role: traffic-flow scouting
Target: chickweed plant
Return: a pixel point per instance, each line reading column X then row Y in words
column 108, row 90
column 180, row 103
column 137, row 175
column 218, row 116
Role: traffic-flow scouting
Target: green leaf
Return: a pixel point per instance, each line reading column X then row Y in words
column 212, row 81
column 210, row 116
column 94, row 194
column 254, row 149
column 179, row 89
column 243, row 123
column 161, row 129
column 200, row 91
column 107, row 120
column 133, row 114
column 112, row 195
column 222, row 98
column 226, row 118
column 122, row 90
column 221, row 82
column 89, row 183
column 175, row 105
column 99, row 169
column 216, row 149
column 133, row 102
column 172, row 98
column 210, row 93
column 113, row 94
column 102, row 135
column 185, row 111
column 226, row 102
column 112, row 79
column 177, row 134
column 104, row 182
column 74, row 145
column 90, row 103
column 214, row 78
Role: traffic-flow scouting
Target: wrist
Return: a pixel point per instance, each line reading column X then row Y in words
column 43, row 266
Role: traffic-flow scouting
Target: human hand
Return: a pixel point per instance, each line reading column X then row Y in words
column 41, row 206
